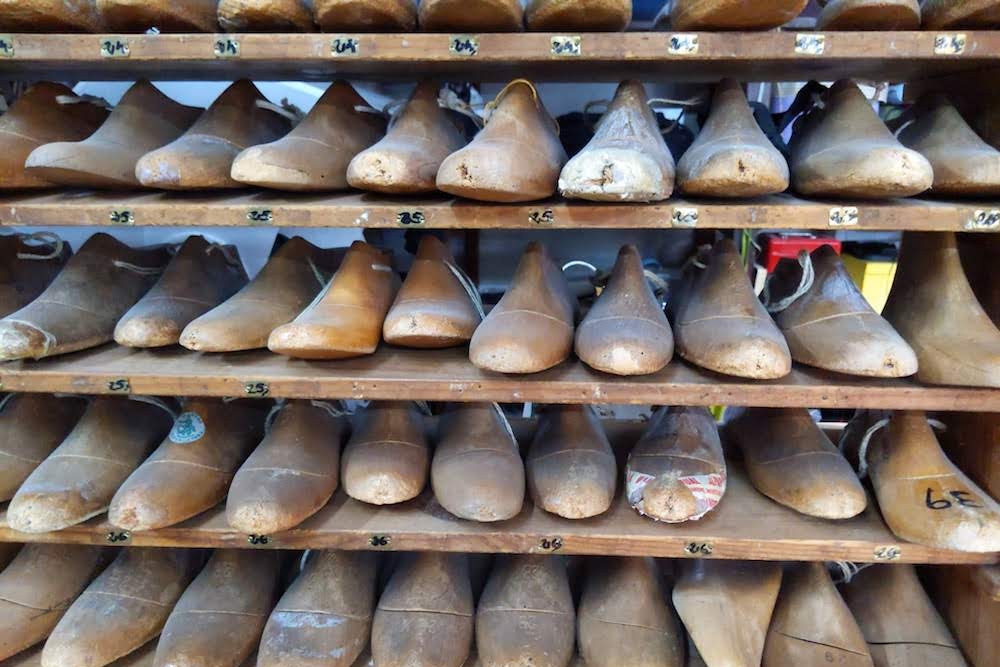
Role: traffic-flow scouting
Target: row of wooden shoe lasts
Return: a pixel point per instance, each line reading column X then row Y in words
column 839, row 148
column 479, row 15
column 813, row 313
column 359, row 609
column 151, row 465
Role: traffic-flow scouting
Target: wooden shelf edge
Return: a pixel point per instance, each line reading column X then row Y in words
column 366, row 211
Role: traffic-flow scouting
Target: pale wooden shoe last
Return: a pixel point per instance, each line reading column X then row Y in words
column 475, row 16
column 676, row 472
column 729, row 14
column 49, row 16
column 531, row 328
column 719, row 323
column 731, row 156
column 578, row 15
column 627, row 160
column 292, row 474
column 37, row 117
column 172, row 16
column 266, row 15
column 571, row 469
column 477, row 472
column 366, row 15
column 200, row 276
column 143, row 120
column 515, row 157
column 973, row 14
column 324, row 618
column 791, row 461
column 869, row 15
column 407, row 159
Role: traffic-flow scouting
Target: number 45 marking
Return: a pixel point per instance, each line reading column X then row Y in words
column 943, row 503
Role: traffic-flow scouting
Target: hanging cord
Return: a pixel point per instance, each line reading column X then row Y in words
column 580, row 262
column 470, row 287
column 43, row 238
column 449, row 99
column 808, row 100
column 682, row 104
column 229, row 253
column 805, row 283
column 506, row 422
column 83, row 99
column 659, row 286
column 423, row 407
column 158, row 402
column 586, row 112
column 867, row 438
column 141, row 270
column 316, row 272
column 492, row 106
column 286, row 109
column 6, row 400
column 393, row 110
column 695, row 258
column 330, row 408
column 847, row 570
column 272, row 414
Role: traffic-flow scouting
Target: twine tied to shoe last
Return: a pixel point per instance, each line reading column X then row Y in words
column 506, row 422
column 83, row 99
column 867, row 438
column 805, row 284
column 449, row 99
column 466, row 282
column 158, row 402
column 286, row 109
column 846, row 569
column 492, row 105
column 228, row 253
column 44, row 238
column 141, row 270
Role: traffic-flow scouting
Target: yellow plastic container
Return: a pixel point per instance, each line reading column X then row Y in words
column 873, row 277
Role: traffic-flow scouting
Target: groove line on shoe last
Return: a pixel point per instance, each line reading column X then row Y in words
column 809, row 641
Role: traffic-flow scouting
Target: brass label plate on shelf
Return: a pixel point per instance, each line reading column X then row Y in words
column 411, row 218
column 119, row 386
column 950, row 44
column 684, row 217
column 566, row 45
column 843, row 216
column 682, row 44
column 542, row 216
column 121, row 216
column 6, row 46
column 115, row 47
column 984, row 221
column 345, row 46
column 810, row 44
column 464, row 45
column 227, row 47
column 260, row 216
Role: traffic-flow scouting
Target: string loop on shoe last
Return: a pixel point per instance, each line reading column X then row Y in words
column 330, row 408
column 492, row 105
column 141, row 270
column 805, row 284
column 286, row 109
column 272, row 414
column 449, row 99
column 5, row 400
column 846, row 569
column 506, row 422
column 228, row 253
column 44, row 238
column 83, row 99
column 863, row 448
column 158, row 402
column 466, row 282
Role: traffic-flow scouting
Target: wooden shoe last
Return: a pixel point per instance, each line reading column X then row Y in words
column 515, row 157
column 477, row 472
column 80, row 308
column 173, row 16
column 78, row 480
column 26, row 269
column 425, row 615
column 964, row 164
column 726, row 607
column 623, row 617
column 525, row 615
column 571, row 469
column 266, row 16
column 898, row 620
column 676, row 472
column 292, row 474
column 932, row 305
column 192, row 468
column 49, row 16
column 198, row 278
column 973, row 14
column 314, row 156
column 144, row 120
column 202, row 158
column 830, row 325
column 845, row 150
column 141, row 657
column 37, row 117
column 531, row 328
column 434, row 308
column 475, row 16
column 627, row 160
column 731, row 156
column 811, row 623
column 792, row 462
column 219, row 619
column 407, row 159
column 366, row 15
column 37, row 588
column 625, row 332
column 31, row 427
column 324, row 618
column 290, row 280
column 923, row 496
column 730, row 14
column 387, row 458
column 869, row 15
column 719, row 324
column 345, row 319
column 577, row 15
column 125, row 607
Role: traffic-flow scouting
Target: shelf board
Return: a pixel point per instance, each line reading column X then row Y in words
column 758, row 56
column 355, row 210
column 447, row 375
column 746, row 525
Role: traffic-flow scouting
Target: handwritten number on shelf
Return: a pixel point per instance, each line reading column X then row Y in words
column 260, row 216
column 120, row 385
column 343, row 46
column 984, row 219
column 947, row 44
column 380, row 540
column 227, row 47
column 699, row 548
column 464, row 45
column 410, row 218
column 542, row 216
column 115, row 47
column 6, row 46
column 551, row 543
column 888, row 553
column 566, row 45
column 257, row 389
column 258, row 539
column 944, row 503
column 116, row 537
column 121, row 216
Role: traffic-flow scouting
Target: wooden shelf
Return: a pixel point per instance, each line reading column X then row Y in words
column 760, row 56
column 447, row 375
column 354, row 210
column 746, row 525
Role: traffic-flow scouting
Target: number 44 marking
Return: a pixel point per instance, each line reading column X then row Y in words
column 944, row 503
